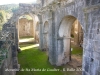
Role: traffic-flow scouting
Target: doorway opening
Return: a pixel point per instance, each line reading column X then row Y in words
column 28, row 32
column 76, row 44
column 72, row 37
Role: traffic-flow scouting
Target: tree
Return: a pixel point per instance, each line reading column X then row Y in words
column 2, row 16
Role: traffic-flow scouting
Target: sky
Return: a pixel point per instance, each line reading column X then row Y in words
column 2, row 2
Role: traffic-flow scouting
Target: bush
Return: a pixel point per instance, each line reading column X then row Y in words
column 72, row 35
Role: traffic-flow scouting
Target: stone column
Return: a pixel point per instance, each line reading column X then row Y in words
column 52, row 48
column 40, row 32
column 60, row 51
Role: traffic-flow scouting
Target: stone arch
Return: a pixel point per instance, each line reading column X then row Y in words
column 14, row 21
column 25, row 26
column 20, row 14
column 46, row 35
column 33, row 17
column 28, row 27
column 66, row 20
column 64, row 34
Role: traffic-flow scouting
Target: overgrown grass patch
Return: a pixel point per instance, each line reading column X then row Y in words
column 33, row 58
column 76, row 50
column 26, row 37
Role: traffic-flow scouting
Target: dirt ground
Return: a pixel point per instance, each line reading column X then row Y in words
column 74, row 67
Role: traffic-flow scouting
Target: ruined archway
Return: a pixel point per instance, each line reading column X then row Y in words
column 24, row 9
column 26, row 28
column 65, row 36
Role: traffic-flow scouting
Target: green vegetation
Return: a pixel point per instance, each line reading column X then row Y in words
column 6, row 12
column 27, row 17
column 26, row 37
column 72, row 35
column 34, row 58
column 9, row 7
column 2, row 16
column 77, row 50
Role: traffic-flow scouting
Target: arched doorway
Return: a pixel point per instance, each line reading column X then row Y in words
column 46, row 33
column 27, row 29
column 65, row 33
column 77, row 34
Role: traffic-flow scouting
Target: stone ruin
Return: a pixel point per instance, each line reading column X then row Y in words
column 55, row 20
column 25, row 27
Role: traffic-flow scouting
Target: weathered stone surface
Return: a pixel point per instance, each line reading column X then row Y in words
column 5, row 54
column 25, row 27
column 60, row 14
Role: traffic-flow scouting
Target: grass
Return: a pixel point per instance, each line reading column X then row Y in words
column 33, row 58
column 76, row 50
column 26, row 37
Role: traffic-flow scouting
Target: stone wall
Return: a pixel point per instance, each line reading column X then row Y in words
column 25, row 27
column 9, row 40
column 60, row 15
column 47, row 2
column 91, row 57
column 54, row 14
column 8, row 55
column 87, row 12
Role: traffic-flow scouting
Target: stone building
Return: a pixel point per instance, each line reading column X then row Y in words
column 54, row 20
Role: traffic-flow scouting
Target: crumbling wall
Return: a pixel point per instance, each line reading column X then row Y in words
column 25, row 27
column 88, row 14
column 8, row 55
column 9, row 41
